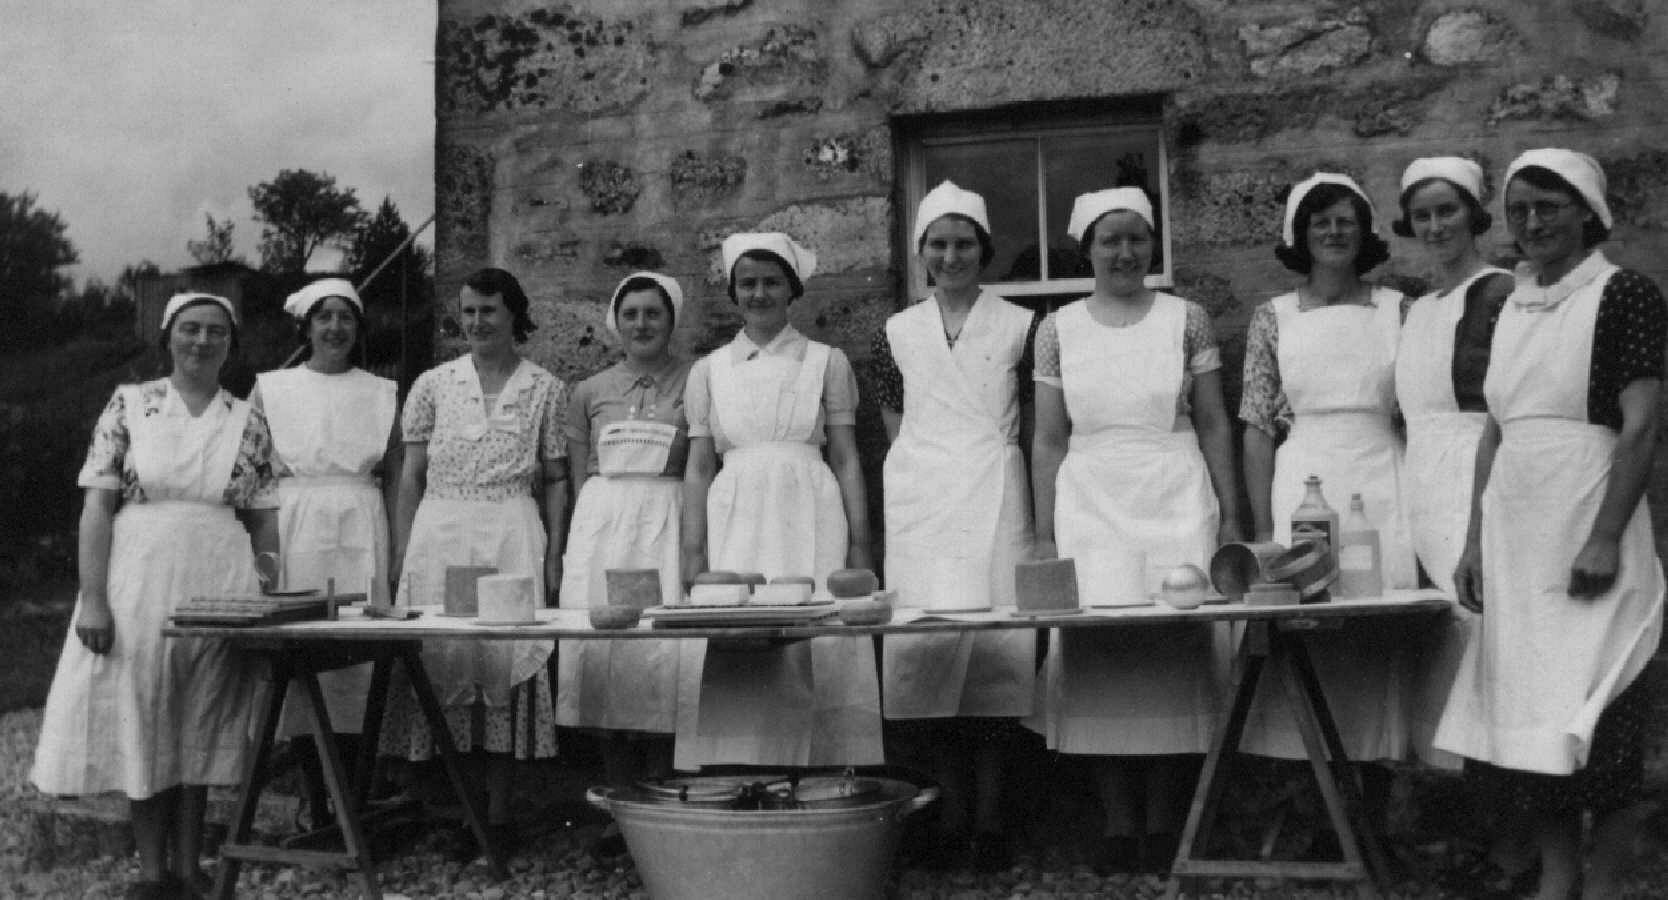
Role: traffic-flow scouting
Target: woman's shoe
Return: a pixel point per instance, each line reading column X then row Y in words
column 990, row 852
column 1120, row 855
column 1485, row 880
column 1158, row 852
column 151, row 890
column 610, row 846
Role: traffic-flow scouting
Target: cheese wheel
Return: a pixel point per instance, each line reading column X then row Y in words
column 853, row 583
column 633, row 587
column 752, row 578
column 719, row 576
column 795, row 579
column 1046, row 584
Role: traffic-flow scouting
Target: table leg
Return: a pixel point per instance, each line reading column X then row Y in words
column 1247, row 672
column 335, row 781
column 370, row 730
column 254, row 777
column 411, row 656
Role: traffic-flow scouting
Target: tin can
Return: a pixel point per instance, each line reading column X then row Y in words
column 1235, row 568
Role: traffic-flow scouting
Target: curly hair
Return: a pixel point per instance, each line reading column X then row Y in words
column 1481, row 221
column 499, row 283
column 1374, row 249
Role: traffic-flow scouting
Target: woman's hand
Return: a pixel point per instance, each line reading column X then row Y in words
column 694, row 563
column 95, row 627
column 1468, row 578
column 552, row 576
column 1594, row 571
column 859, row 556
column 1228, row 533
column 1044, row 548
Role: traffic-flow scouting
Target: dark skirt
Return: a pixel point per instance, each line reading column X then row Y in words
column 1612, row 779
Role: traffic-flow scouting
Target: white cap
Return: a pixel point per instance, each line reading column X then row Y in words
column 666, row 282
column 1300, row 190
column 1580, row 170
column 299, row 303
column 1456, row 170
column 1088, row 208
column 180, row 301
column 800, row 259
column 944, row 200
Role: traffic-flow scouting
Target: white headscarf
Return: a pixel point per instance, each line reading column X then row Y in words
column 179, row 301
column 1300, row 190
column 944, row 200
column 799, row 258
column 1457, row 171
column 299, row 303
column 666, row 282
column 1580, row 170
column 1088, row 208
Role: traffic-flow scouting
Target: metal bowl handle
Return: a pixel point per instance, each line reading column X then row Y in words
column 923, row 798
column 599, row 797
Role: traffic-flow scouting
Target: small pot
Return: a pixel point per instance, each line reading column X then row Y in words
column 615, row 618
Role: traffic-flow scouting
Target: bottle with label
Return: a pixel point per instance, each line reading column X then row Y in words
column 1313, row 520
column 1360, row 561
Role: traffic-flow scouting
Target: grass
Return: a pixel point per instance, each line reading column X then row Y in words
column 32, row 630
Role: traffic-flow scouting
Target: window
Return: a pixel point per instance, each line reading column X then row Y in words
column 1030, row 163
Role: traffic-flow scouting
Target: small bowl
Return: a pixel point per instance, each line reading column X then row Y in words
column 614, row 618
column 865, row 611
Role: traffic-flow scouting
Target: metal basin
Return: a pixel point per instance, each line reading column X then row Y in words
column 827, row 837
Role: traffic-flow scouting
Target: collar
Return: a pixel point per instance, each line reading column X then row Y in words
column 783, row 344
column 1532, row 297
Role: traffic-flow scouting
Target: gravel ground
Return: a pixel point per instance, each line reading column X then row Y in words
column 554, row 862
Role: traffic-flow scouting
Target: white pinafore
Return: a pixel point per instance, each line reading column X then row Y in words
column 329, row 432
column 1544, row 665
column 1133, row 478
column 158, row 712
column 776, row 509
column 627, row 517
column 1436, row 487
column 957, row 512
column 1337, row 367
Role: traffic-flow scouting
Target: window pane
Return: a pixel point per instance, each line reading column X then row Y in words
column 1080, row 163
column 1004, row 172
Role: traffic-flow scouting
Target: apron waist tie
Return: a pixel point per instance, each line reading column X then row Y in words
column 305, row 482
column 1544, row 426
column 1352, row 421
column 637, row 476
column 177, row 510
column 776, row 448
column 1130, row 437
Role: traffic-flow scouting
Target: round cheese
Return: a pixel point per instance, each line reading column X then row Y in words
column 853, row 583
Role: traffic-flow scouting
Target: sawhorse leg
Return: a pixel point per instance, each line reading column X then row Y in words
column 254, row 778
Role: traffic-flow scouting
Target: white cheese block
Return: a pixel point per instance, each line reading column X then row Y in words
column 781, row 594
column 505, row 599
column 718, row 595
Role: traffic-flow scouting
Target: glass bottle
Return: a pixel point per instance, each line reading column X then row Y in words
column 1313, row 520
column 1360, row 559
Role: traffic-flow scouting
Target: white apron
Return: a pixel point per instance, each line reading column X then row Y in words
column 1133, row 479
column 158, row 712
column 775, row 508
column 1337, row 367
column 627, row 517
column 1436, row 487
column 1544, row 665
column 957, row 512
column 330, row 432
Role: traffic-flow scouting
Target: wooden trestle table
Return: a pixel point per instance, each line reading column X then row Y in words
column 1274, row 643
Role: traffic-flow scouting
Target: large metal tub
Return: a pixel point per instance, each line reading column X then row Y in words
column 828, row 841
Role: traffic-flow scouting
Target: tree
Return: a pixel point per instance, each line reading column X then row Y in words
column 32, row 250
column 399, row 299
column 217, row 246
column 127, row 283
column 301, row 211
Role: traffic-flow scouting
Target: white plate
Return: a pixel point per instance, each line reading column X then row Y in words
column 740, row 615
column 1045, row 613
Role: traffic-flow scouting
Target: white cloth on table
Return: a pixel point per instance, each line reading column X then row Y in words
column 329, row 433
column 775, row 508
column 1133, row 479
column 1337, row 366
column 958, row 512
column 1544, row 665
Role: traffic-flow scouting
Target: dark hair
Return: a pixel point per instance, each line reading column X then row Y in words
column 1088, row 240
column 1374, row 249
column 168, row 330
column 794, row 284
column 499, row 283
column 1480, row 219
column 642, row 283
column 987, row 247
column 304, row 326
column 1593, row 231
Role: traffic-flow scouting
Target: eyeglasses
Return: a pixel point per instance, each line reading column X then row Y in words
column 1544, row 210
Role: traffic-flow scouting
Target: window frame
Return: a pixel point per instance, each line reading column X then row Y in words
column 1124, row 117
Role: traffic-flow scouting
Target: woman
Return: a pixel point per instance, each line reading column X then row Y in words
column 1319, row 367
column 767, row 403
column 957, row 516
column 627, row 443
column 1559, row 558
column 1440, row 362
column 333, row 436
column 483, row 439
column 1133, row 458
column 175, row 464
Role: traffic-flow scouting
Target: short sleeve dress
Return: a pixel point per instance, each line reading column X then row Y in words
column 478, row 509
column 155, row 713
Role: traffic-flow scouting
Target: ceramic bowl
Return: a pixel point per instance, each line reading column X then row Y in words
column 865, row 611
column 613, row 618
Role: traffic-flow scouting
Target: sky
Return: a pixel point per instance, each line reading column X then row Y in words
column 133, row 120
